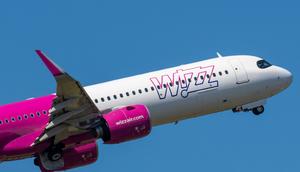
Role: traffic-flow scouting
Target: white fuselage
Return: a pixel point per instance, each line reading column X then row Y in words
column 195, row 89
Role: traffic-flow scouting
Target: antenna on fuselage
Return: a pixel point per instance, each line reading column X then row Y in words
column 219, row 55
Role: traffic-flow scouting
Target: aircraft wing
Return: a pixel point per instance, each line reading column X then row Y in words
column 73, row 112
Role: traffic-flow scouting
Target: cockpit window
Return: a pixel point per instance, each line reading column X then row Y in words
column 263, row 64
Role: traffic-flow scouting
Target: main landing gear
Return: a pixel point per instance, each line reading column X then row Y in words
column 55, row 154
column 52, row 158
column 256, row 110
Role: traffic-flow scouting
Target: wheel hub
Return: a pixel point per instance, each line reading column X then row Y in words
column 56, row 156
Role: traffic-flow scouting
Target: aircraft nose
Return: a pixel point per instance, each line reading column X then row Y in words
column 285, row 76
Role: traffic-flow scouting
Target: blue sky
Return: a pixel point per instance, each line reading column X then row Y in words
column 98, row 40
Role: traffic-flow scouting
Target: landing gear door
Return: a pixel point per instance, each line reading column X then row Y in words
column 239, row 70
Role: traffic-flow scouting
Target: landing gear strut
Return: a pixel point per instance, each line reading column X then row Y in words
column 258, row 110
column 51, row 159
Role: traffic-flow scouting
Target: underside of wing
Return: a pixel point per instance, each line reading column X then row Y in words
column 73, row 112
column 76, row 123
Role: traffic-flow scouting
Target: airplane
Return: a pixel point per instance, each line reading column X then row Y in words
column 60, row 130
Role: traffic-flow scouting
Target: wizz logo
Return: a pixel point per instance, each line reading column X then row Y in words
column 184, row 82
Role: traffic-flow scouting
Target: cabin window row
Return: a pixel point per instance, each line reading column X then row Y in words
column 121, row 95
column 21, row 117
column 140, row 91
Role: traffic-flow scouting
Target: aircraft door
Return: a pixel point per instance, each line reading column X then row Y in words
column 239, row 70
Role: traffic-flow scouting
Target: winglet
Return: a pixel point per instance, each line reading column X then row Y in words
column 53, row 68
column 219, row 55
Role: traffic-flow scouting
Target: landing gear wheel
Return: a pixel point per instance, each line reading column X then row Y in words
column 55, row 154
column 258, row 110
column 36, row 162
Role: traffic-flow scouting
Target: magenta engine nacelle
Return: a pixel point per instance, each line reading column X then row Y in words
column 128, row 123
column 72, row 158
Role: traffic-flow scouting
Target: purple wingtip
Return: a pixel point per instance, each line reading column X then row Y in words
column 54, row 69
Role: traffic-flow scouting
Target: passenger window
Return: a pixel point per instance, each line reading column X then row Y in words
column 96, row 100
column 165, row 86
column 13, row 119
column 133, row 92
column 152, row 88
column 226, row 72
column 102, row 99
column 220, row 73
column 0, row 122
column 26, row 116
column 44, row 112
column 121, row 95
column 146, row 89
column 158, row 87
column 6, row 121
column 177, row 83
column 127, row 94
column 201, row 77
column 195, row 78
column 171, row 84
column 32, row 115
column 183, row 81
column 115, row 97
column 108, row 98
column 38, row 114
column 214, row 74
column 140, row 91
column 19, row 118
column 189, row 80
column 207, row 76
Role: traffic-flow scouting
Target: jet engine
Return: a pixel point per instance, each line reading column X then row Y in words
column 120, row 125
column 125, row 124
column 72, row 158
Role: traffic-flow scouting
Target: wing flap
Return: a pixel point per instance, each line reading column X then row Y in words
column 62, row 118
column 70, row 108
column 62, row 105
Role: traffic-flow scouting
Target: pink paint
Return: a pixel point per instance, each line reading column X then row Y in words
column 38, row 107
column 21, row 123
column 81, row 155
column 76, row 157
column 5, row 138
column 80, row 139
column 21, row 145
column 54, row 69
column 19, row 133
column 128, row 123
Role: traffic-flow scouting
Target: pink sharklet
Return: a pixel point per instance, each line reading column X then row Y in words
column 53, row 68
